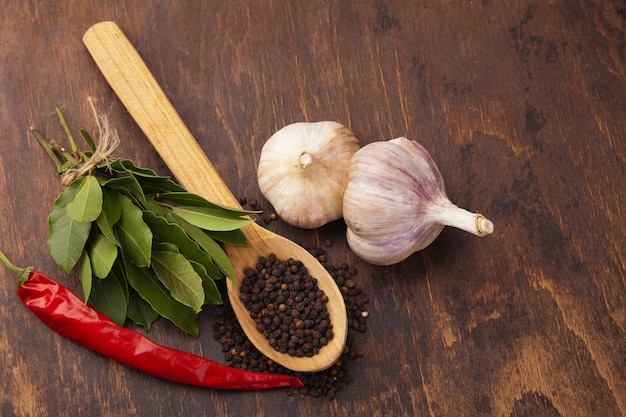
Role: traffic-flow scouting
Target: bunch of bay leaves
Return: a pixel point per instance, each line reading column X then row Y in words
column 144, row 246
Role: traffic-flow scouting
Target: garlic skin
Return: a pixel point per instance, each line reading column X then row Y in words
column 303, row 171
column 395, row 203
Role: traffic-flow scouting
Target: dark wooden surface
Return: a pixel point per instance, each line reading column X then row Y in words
column 521, row 103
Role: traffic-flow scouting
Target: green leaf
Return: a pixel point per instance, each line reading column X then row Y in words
column 130, row 166
column 211, row 293
column 194, row 200
column 158, row 296
column 158, row 185
column 219, row 257
column 139, row 310
column 175, row 234
column 119, row 273
column 67, row 236
column 150, row 182
column 178, row 275
column 209, row 219
column 158, row 246
column 151, row 205
column 133, row 233
column 123, row 182
column 111, row 213
column 87, row 203
column 86, row 276
column 88, row 139
column 102, row 253
column 115, row 179
column 232, row 237
column 110, row 297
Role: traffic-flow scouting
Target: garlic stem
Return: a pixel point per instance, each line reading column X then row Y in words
column 452, row 215
column 483, row 225
column 305, row 159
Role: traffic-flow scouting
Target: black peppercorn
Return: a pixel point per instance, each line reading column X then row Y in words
column 324, row 384
column 291, row 294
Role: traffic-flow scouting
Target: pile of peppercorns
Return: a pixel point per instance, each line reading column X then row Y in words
column 239, row 352
column 288, row 307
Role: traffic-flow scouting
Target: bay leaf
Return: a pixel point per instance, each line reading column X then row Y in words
column 119, row 273
column 149, row 180
column 210, row 246
column 133, row 234
column 232, row 237
column 67, row 236
column 159, row 185
column 179, row 277
column 110, row 297
column 175, row 234
column 160, row 246
column 194, row 200
column 86, row 276
column 130, row 166
column 211, row 293
column 151, row 205
column 139, row 310
column 102, row 253
column 210, row 219
column 110, row 215
column 160, row 299
column 125, row 183
column 88, row 140
column 87, row 203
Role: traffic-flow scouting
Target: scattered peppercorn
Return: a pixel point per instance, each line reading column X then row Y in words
column 254, row 204
column 239, row 352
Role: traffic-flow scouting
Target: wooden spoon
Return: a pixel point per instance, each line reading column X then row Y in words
column 136, row 87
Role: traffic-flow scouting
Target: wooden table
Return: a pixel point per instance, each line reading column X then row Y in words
column 521, row 103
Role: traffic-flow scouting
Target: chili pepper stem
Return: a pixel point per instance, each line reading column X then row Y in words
column 21, row 273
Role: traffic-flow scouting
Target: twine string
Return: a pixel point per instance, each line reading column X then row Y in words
column 109, row 140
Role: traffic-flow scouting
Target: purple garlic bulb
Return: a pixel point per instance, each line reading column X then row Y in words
column 395, row 202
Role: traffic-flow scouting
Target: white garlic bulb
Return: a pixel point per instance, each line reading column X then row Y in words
column 395, row 202
column 303, row 171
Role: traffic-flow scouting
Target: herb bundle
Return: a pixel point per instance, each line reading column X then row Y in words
column 145, row 246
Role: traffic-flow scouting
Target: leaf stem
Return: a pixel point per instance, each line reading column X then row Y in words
column 48, row 148
column 69, row 157
column 67, row 129
column 164, row 205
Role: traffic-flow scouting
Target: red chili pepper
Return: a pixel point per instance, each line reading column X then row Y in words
column 63, row 311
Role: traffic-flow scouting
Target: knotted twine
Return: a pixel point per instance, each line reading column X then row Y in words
column 109, row 140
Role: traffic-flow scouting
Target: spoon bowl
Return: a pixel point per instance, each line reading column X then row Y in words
column 262, row 243
column 144, row 99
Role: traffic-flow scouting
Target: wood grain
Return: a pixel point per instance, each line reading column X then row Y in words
column 521, row 104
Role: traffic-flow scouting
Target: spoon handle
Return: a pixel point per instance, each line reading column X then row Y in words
column 134, row 84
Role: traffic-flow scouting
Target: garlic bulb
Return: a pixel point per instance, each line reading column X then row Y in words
column 303, row 171
column 395, row 203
